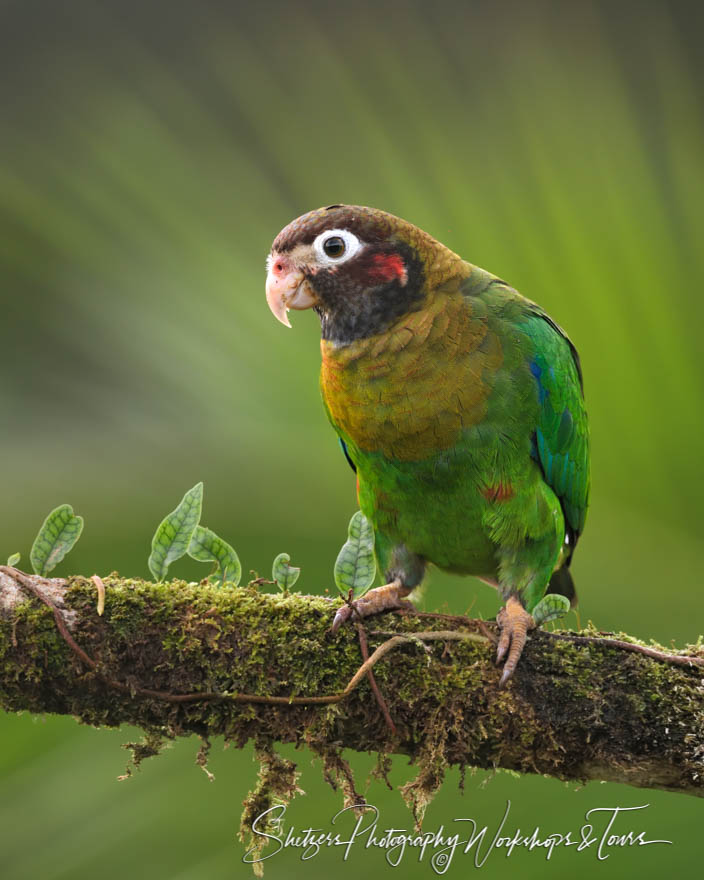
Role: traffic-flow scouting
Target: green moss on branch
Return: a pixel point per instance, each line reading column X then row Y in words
column 574, row 711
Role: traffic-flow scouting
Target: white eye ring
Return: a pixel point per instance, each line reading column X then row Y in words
column 352, row 246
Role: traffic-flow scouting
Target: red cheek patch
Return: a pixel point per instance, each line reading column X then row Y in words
column 388, row 267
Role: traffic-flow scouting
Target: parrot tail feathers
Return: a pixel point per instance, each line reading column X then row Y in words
column 562, row 583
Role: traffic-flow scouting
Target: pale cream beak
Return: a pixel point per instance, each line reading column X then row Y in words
column 287, row 288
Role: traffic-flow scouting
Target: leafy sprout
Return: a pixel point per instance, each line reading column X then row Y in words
column 550, row 607
column 206, row 546
column 58, row 534
column 355, row 567
column 173, row 537
column 283, row 573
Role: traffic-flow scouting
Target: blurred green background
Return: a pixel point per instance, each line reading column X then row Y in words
column 149, row 153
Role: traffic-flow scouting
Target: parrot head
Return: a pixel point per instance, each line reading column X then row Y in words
column 359, row 268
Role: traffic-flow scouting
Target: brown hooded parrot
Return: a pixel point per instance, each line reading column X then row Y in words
column 458, row 402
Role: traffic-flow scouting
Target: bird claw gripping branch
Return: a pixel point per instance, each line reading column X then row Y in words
column 386, row 598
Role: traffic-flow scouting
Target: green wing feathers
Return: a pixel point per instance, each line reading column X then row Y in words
column 561, row 435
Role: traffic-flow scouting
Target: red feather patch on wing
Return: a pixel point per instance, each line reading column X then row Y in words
column 387, row 267
column 498, row 492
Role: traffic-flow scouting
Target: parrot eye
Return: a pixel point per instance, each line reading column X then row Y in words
column 336, row 246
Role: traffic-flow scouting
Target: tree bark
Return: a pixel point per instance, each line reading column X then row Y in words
column 178, row 658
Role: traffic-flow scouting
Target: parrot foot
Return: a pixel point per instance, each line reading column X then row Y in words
column 514, row 622
column 385, row 598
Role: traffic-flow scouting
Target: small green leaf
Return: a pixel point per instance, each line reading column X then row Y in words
column 174, row 534
column 355, row 567
column 284, row 574
column 59, row 532
column 14, row 559
column 550, row 607
column 206, row 546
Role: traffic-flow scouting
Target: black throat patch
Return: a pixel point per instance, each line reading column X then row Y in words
column 350, row 308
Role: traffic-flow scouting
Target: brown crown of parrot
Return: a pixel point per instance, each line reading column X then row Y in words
column 458, row 402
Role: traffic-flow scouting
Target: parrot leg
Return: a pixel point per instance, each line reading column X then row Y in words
column 386, row 598
column 529, row 530
column 514, row 622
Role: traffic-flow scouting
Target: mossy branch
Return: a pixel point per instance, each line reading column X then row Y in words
column 178, row 658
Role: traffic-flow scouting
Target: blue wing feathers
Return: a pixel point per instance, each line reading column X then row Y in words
column 343, row 446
